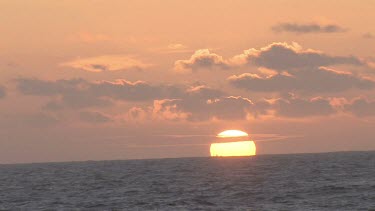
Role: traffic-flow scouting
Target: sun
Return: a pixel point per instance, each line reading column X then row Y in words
column 239, row 144
column 231, row 134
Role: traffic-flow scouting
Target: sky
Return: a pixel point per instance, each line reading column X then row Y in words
column 135, row 79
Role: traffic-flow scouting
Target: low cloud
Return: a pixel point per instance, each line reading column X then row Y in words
column 201, row 59
column 283, row 56
column 79, row 93
column 107, row 63
column 297, row 107
column 73, row 93
column 240, row 108
column 360, row 107
column 94, row 117
column 277, row 56
column 307, row 80
column 137, row 114
column 368, row 35
column 2, row 92
column 223, row 108
column 304, row 28
column 202, row 103
column 39, row 119
column 168, row 110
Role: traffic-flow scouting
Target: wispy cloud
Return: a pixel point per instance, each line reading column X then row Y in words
column 304, row 28
column 2, row 92
column 107, row 63
column 94, row 117
column 368, row 35
column 88, row 37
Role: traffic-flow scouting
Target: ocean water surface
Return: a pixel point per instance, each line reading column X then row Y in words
column 326, row 181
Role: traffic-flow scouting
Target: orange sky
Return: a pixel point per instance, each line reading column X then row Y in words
column 92, row 79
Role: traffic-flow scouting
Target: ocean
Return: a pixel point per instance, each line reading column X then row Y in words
column 324, row 181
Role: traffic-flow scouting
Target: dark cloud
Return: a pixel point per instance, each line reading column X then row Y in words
column 39, row 119
column 308, row 80
column 282, row 56
column 296, row 107
column 223, row 108
column 94, row 117
column 79, row 93
column 2, row 92
column 52, row 106
column 231, row 108
column 240, row 108
column 277, row 56
column 361, row 107
column 134, row 91
column 202, row 92
column 201, row 59
column 75, row 93
column 308, row 28
column 192, row 105
column 136, row 113
column 37, row 87
column 83, row 99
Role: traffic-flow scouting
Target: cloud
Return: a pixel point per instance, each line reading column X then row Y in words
column 39, row 119
column 308, row 80
column 176, row 46
column 167, row 110
column 239, row 108
column 52, row 106
column 223, row 108
column 279, row 56
column 203, row 92
column 137, row 113
column 94, row 117
column 236, row 107
column 173, row 48
column 360, row 107
column 200, row 103
column 73, row 93
column 134, row 91
column 201, row 59
column 296, row 107
column 37, row 87
column 107, row 63
column 2, row 92
column 368, row 35
column 303, row 28
column 177, row 103
column 189, row 106
column 282, row 56
column 79, row 93
column 88, row 37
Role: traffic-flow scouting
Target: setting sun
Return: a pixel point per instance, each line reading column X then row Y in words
column 239, row 148
column 232, row 133
column 238, row 144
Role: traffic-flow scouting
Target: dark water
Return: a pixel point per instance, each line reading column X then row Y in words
column 330, row 181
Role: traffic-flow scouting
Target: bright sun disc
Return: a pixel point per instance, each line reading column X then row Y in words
column 239, row 148
column 232, row 134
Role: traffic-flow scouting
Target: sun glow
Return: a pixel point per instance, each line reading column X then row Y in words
column 239, row 148
column 232, row 134
column 238, row 144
